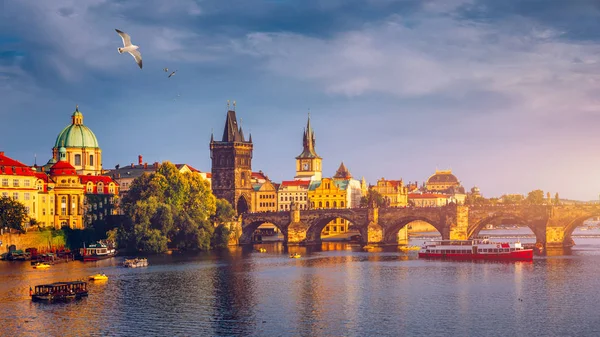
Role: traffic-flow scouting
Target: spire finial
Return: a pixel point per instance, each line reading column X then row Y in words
column 227, row 104
column 234, row 106
column 77, row 107
column 308, row 113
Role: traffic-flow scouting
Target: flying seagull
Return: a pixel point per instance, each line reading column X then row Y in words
column 130, row 48
column 171, row 74
column 166, row 70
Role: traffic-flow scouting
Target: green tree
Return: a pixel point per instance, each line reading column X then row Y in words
column 168, row 209
column 224, row 212
column 221, row 236
column 535, row 197
column 12, row 214
column 373, row 197
column 512, row 199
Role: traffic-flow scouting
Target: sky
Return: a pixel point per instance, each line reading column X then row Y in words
column 504, row 93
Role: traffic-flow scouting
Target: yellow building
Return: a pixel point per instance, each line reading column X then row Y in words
column 68, row 193
column 330, row 193
column 18, row 181
column 393, row 191
column 441, row 181
column 82, row 149
column 264, row 197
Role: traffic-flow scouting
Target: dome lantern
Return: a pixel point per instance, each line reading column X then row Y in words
column 76, row 135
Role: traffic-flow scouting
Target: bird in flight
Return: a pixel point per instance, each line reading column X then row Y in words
column 130, row 48
column 166, row 69
column 171, row 74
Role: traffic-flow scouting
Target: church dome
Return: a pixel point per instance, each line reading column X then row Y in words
column 76, row 134
column 442, row 177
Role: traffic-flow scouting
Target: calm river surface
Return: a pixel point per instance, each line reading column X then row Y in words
column 336, row 290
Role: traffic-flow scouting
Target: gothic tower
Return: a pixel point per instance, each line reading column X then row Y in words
column 308, row 163
column 232, row 165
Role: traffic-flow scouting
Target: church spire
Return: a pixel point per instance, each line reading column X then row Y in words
column 308, row 142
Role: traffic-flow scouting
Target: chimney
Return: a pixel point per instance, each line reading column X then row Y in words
column 132, row 165
column 1, row 153
column 140, row 159
column 145, row 166
column 155, row 164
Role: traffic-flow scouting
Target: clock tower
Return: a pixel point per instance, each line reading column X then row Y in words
column 308, row 163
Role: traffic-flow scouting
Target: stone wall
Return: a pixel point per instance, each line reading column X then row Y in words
column 41, row 240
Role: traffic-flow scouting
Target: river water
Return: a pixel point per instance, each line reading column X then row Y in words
column 334, row 290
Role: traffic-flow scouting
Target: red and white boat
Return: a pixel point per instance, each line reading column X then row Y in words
column 475, row 249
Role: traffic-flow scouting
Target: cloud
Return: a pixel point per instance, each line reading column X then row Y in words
column 440, row 55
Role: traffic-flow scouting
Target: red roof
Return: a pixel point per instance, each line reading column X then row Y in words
column 295, row 183
column 258, row 175
column 62, row 168
column 105, row 180
column 425, row 196
column 208, row 175
column 11, row 166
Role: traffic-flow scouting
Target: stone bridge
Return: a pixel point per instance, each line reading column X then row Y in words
column 552, row 225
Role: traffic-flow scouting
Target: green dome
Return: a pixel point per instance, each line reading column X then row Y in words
column 76, row 134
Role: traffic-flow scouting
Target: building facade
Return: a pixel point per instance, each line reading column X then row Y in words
column 293, row 192
column 393, row 191
column 232, row 166
column 264, row 197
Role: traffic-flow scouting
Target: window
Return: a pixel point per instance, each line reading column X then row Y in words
column 43, row 211
column 27, row 183
column 77, row 159
column 327, row 204
column 26, row 196
column 43, row 199
column 4, row 182
column 5, row 194
column 100, row 188
column 15, row 182
column 63, row 206
column 341, row 204
column 91, row 160
column 52, row 213
column 334, row 204
column 90, row 188
column 16, row 196
column 40, row 187
column 26, row 209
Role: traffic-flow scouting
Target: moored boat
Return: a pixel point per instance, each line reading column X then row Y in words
column 295, row 256
column 137, row 262
column 97, row 251
column 475, row 249
column 59, row 291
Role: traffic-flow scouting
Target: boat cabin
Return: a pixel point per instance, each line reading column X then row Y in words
column 59, row 291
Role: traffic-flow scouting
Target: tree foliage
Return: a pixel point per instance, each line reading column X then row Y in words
column 373, row 198
column 171, row 209
column 12, row 214
column 535, row 197
column 513, row 199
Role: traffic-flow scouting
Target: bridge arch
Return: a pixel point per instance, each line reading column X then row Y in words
column 313, row 234
column 568, row 231
column 390, row 234
column 473, row 230
column 248, row 229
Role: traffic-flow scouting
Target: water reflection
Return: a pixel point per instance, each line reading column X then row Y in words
column 335, row 289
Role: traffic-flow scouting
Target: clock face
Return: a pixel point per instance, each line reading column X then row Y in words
column 305, row 166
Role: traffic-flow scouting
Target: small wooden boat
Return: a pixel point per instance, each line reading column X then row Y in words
column 98, row 277
column 41, row 265
column 137, row 262
column 295, row 256
column 59, row 291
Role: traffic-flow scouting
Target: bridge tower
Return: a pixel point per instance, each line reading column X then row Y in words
column 232, row 165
